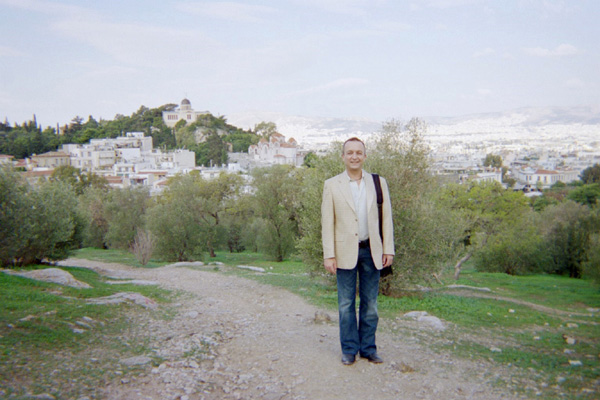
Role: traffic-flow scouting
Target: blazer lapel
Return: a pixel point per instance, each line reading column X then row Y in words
column 345, row 190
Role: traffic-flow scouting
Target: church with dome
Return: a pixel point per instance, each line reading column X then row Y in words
column 183, row 112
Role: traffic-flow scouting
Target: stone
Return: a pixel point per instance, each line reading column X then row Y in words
column 137, row 360
column 123, row 297
column 569, row 339
column 321, row 317
column 251, row 268
column 53, row 275
column 416, row 314
column 429, row 320
column 187, row 264
column 139, row 282
column 433, row 322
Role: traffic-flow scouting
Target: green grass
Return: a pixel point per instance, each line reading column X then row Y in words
column 39, row 348
column 549, row 290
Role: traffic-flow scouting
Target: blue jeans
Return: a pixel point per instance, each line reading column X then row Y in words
column 358, row 339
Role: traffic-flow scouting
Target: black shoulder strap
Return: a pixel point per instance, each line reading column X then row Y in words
column 377, row 183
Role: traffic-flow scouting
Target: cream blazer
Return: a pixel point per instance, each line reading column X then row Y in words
column 339, row 222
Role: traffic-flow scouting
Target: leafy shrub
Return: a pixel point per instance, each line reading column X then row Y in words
column 143, row 246
column 37, row 222
column 516, row 250
column 591, row 267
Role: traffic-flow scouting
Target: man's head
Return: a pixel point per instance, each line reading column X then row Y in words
column 354, row 153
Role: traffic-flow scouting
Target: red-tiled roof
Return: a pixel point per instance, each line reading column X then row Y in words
column 114, row 179
column 52, row 154
column 36, row 174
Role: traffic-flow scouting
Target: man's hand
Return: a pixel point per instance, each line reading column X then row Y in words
column 388, row 259
column 330, row 265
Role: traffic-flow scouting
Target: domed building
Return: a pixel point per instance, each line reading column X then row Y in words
column 183, row 112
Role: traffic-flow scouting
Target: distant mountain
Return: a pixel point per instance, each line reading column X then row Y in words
column 585, row 115
column 522, row 124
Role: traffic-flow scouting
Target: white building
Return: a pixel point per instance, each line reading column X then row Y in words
column 276, row 151
column 184, row 112
column 532, row 177
column 489, row 175
column 129, row 160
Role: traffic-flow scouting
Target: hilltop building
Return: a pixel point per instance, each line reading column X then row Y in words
column 184, row 112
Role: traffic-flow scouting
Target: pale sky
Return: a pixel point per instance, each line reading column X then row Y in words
column 372, row 59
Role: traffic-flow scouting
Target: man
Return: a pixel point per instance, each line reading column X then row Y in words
column 352, row 247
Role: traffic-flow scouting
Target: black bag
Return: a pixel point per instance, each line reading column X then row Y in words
column 386, row 270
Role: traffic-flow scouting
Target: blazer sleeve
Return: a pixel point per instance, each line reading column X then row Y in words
column 388, row 223
column 327, row 222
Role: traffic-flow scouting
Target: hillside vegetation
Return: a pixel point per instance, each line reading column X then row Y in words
column 210, row 137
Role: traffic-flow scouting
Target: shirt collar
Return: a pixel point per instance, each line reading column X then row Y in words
column 355, row 180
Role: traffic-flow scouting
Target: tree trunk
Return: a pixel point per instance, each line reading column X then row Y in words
column 459, row 264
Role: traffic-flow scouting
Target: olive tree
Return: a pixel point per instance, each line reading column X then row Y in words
column 37, row 222
column 187, row 218
column 426, row 236
column 124, row 210
column 276, row 203
column 175, row 222
column 14, row 206
column 568, row 229
column 91, row 208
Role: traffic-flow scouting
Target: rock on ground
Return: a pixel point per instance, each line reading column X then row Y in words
column 54, row 275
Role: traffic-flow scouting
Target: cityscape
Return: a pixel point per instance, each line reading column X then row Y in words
column 538, row 148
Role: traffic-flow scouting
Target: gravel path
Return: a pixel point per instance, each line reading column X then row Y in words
column 234, row 338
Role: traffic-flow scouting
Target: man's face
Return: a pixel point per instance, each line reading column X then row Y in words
column 354, row 156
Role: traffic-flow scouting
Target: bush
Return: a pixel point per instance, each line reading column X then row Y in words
column 124, row 211
column 591, row 267
column 37, row 223
column 277, row 190
column 95, row 225
column 13, row 214
column 566, row 229
column 143, row 246
column 516, row 250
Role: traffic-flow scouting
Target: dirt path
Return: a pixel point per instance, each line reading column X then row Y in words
column 234, row 338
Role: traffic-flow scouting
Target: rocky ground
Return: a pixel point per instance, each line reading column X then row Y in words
column 233, row 338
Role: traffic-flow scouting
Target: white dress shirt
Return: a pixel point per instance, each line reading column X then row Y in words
column 359, row 195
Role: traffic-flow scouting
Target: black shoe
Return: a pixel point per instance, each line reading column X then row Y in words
column 348, row 359
column 374, row 358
